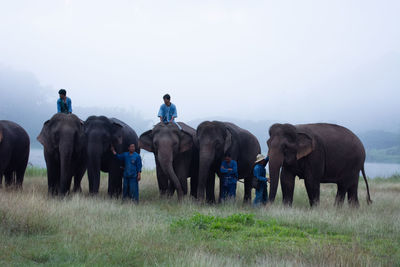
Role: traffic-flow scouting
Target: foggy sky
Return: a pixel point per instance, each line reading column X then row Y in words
column 297, row 61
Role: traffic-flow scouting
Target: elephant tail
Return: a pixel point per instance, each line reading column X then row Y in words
column 369, row 201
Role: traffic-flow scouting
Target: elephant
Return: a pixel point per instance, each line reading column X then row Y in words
column 317, row 153
column 215, row 139
column 14, row 153
column 64, row 143
column 102, row 133
column 176, row 156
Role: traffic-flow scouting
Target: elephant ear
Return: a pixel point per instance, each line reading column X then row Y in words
column 146, row 141
column 44, row 136
column 186, row 142
column 117, row 132
column 305, row 145
column 228, row 140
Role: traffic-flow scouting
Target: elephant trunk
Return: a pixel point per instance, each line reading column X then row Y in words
column 167, row 167
column 94, row 165
column 66, row 152
column 275, row 164
column 205, row 162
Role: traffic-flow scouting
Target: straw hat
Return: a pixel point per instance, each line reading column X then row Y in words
column 259, row 158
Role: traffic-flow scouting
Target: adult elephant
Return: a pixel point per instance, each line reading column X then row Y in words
column 176, row 156
column 63, row 140
column 317, row 153
column 14, row 153
column 102, row 132
column 217, row 138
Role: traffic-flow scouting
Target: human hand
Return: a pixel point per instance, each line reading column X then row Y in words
column 139, row 177
column 113, row 150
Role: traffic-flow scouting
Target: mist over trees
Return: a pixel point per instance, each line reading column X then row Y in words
column 25, row 101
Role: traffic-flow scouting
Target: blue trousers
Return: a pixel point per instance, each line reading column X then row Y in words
column 261, row 194
column 131, row 188
column 228, row 189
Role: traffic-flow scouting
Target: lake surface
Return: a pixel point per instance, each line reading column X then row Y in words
column 372, row 169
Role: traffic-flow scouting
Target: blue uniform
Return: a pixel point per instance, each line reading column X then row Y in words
column 261, row 191
column 167, row 112
column 64, row 107
column 133, row 165
column 229, row 179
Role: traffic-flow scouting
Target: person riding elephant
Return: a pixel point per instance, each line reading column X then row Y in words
column 216, row 139
column 176, row 156
column 14, row 153
column 102, row 133
column 63, row 140
column 318, row 153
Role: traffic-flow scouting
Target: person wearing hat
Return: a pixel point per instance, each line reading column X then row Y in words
column 229, row 175
column 260, row 173
column 64, row 104
column 167, row 112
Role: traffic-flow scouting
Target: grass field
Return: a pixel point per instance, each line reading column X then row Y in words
column 98, row 231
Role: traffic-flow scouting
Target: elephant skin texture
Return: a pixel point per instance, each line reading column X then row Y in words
column 102, row 133
column 176, row 157
column 14, row 153
column 214, row 139
column 63, row 140
column 318, row 153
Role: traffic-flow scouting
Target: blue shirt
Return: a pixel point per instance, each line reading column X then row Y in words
column 229, row 173
column 133, row 164
column 167, row 112
column 259, row 171
column 60, row 108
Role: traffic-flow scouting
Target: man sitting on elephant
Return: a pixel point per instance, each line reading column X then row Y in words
column 132, row 172
column 229, row 178
column 64, row 104
column 260, row 174
column 167, row 112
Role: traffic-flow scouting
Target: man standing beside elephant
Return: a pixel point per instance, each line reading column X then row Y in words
column 260, row 174
column 132, row 172
column 229, row 178
column 167, row 112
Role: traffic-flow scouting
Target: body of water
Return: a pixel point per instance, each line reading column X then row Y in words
column 372, row 169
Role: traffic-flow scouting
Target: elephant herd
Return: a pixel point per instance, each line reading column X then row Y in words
column 318, row 153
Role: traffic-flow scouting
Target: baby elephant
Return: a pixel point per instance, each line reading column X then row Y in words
column 14, row 153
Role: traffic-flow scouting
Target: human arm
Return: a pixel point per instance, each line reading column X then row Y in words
column 69, row 104
column 174, row 113
column 119, row 156
column 257, row 174
column 58, row 106
column 161, row 113
column 139, row 168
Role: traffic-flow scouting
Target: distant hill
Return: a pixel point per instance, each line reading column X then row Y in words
column 24, row 101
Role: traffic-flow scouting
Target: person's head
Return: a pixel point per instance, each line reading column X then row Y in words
column 131, row 148
column 167, row 99
column 260, row 159
column 62, row 93
column 227, row 157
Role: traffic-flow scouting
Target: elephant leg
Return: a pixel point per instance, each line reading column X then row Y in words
column 247, row 189
column 181, row 167
column 352, row 195
column 340, row 195
column 19, row 177
column 162, row 180
column 210, row 188
column 80, row 171
column 171, row 189
column 115, row 176
column 9, row 178
column 287, row 185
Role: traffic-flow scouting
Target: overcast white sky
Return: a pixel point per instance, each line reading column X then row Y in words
column 300, row 61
